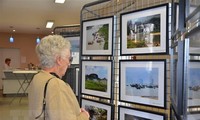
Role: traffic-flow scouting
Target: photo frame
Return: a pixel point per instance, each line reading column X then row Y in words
column 145, row 31
column 96, row 78
column 75, row 48
column 128, row 113
column 98, row 110
column 97, row 36
column 143, row 82
column 193, row 84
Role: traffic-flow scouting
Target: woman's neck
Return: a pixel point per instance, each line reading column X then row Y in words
column 52, row 70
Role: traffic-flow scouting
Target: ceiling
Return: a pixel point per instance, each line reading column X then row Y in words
column 30, row 16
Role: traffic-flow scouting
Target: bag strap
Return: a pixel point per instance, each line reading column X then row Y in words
column 44, row 99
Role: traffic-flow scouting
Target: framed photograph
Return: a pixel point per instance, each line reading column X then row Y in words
column 194, row 84
column 97, row 36
column 128, row 113
column 143, row 82
column 98, row 110
column 96, row 78
column 75, row 47
column 145, row 31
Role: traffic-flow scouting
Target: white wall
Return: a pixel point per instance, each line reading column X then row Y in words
column 12, row 53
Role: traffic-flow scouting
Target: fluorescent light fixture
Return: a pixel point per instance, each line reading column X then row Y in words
column 49, row 24
column 59, row 1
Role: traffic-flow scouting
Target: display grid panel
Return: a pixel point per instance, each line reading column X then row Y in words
column 115, row 8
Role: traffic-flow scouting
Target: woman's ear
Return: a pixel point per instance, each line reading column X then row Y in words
column 59, row 61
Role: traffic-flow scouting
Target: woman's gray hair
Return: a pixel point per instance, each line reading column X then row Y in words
column 50, row 48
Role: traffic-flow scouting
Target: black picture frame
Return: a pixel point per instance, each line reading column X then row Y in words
column 106, row 109
column 97, row 36
column 129, row 113
column 144, row 31
column 143, row 82
column 96, row 78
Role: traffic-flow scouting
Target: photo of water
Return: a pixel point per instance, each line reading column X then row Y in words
column 141, row 81
column 194, row 84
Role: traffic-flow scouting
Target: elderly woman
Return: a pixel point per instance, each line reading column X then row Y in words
column 49, row 97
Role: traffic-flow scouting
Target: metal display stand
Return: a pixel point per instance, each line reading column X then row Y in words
column 104, row 8
column 185, row 47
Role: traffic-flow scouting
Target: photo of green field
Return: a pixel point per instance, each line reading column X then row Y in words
column 96, row 78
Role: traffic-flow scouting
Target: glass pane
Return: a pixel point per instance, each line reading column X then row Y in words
column 193, row 77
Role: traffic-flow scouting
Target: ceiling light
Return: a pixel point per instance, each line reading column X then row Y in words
column 11, row 39
column 59, row 1
column 38, row 40
column 49, row 24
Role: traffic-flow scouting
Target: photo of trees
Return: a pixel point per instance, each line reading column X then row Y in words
column 96, row 113
column 132, row 117
column 144, row 32
column 96, row 78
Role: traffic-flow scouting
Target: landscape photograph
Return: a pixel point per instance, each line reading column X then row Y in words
column 75, row 43
column 142, row 82
column 130, row 113
column 132, row 117
column 97, row 37
column 96, row 113
column 144, row 32
column 96, row 78
column 194, row 83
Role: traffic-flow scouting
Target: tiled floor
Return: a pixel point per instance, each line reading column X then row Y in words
column 14, row 110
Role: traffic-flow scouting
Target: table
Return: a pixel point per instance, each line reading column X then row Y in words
column 24, row 78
